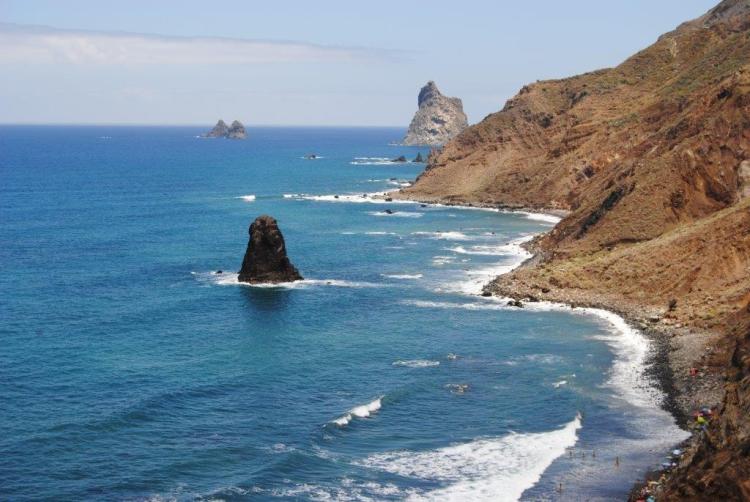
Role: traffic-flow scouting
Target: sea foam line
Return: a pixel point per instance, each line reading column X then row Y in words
column 417, row 363
column 232, row 279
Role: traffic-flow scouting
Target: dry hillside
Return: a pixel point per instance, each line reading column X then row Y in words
column 652, row 161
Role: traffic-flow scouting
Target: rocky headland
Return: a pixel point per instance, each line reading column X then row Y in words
column 221, row 130
column 266, row 260
column 438, row 119
column 650, row 163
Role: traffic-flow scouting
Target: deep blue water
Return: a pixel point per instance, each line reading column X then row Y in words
column 130, row 370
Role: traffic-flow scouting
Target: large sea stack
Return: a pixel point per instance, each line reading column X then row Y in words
column 265, row 259
column 438, row 119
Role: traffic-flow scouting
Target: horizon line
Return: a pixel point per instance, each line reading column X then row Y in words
column 136, row 124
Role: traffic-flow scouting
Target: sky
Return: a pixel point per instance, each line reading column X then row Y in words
column 282, row 62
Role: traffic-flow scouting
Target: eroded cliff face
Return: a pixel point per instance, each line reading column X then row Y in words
column 438, row 119
column 652, row 161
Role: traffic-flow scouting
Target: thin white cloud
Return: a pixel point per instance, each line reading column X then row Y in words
column 40, row 45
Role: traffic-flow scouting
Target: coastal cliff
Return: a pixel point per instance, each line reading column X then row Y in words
column 438, row 119
column 651, row 162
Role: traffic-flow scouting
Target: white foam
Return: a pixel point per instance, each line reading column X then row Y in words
column 499, row 250
column 479, row 277
column 497, row 469
column 417, row 363
column 381, row 233
column 402, row 276
column 544, row 217
column 447, row 236
column 455, row 305
column 360, row 197
column 232, row 279
column 362, row 411
column 559, row 384
column 631, row 348
column 246, row 198
column 398, row 214
column 442, row 260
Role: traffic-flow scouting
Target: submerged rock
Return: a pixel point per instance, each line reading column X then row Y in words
column 265, row 259
column 438, row 119
column 402, row 158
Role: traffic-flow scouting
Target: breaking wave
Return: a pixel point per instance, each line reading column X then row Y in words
column 484, row 469
column 362, row 411
column 448, row 236
column 398, row 214
column 232, row 279
column 402, row 276
column 417, row 363
column 246, row 198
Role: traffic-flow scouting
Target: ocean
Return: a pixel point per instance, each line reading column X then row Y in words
column 131, row 370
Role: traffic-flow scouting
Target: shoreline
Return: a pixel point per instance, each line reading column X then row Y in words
column 670, row 357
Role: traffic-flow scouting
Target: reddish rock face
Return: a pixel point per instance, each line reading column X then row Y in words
column 265, row 259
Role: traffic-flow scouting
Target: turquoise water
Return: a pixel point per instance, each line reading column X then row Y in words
column 130, row 370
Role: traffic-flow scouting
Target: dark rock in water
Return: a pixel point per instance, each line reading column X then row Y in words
column 486, row 293
column 418, row 158
column 265, row 259
column 219, row 272
column 399, row 159
column 335, row 196
column 388, row 211
column 311, row 156
column 423, row 205
column 221, row 130
column 515, row 303
column 389, row 199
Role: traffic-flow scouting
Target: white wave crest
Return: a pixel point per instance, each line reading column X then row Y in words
column 398, row 214
column 246, row 198
column 447, row 236
column 417, row 363
column 402, row 276
column 632, row 350
column 455, row 305
column 232, row 279
column 477, row 278
column 362, row 197
column 362, row 411
column 497, row 469
column 442, row 260
column 543, row 217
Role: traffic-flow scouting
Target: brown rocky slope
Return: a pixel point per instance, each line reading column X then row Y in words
column 652, row 161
